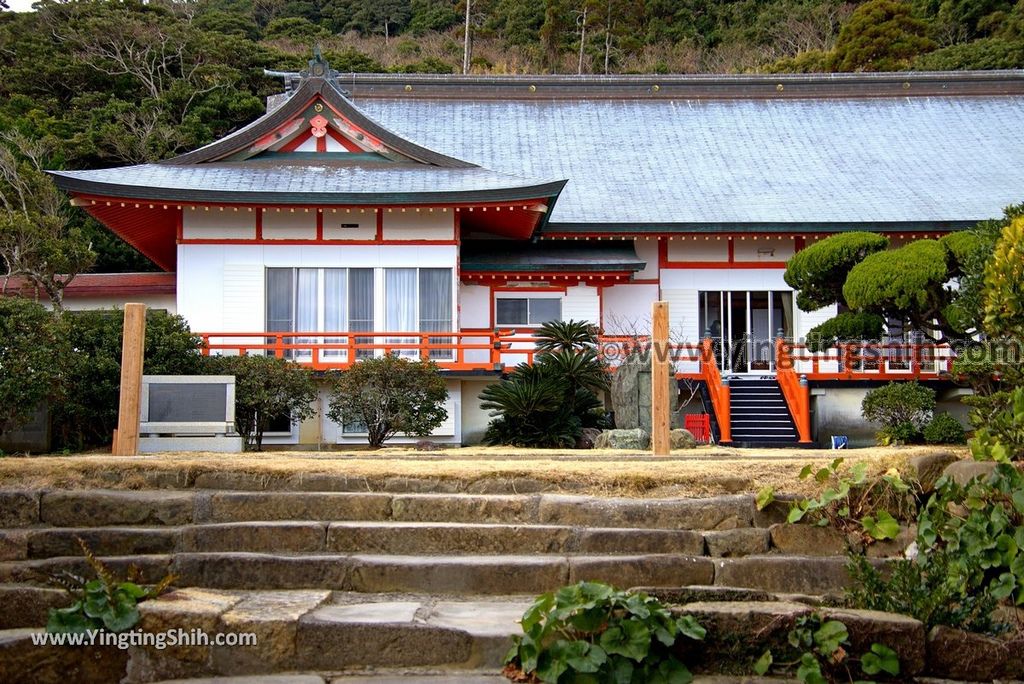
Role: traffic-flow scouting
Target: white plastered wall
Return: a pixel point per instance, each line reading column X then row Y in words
column 647, row 251
column 164, row 302
column 626, row 309
column 419, row 224
column 217, row 223
column 284, row 224
column 350, row 224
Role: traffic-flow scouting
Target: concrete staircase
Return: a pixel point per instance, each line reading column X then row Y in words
column 342, row 581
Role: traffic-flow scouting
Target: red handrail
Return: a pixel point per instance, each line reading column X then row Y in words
column 719, row 392
column 796, row 391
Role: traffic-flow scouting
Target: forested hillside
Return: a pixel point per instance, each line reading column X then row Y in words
column 87, row 84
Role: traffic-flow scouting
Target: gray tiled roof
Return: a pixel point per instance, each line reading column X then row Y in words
column 747, row 161
column 299, row 180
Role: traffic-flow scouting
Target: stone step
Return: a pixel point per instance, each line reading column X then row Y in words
column 157, row 508
column 470, row 574
column 352, row 537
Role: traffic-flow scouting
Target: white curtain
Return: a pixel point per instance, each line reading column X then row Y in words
column 436, row 308
column 306, row 306
column 400, row 306
column 335, row 306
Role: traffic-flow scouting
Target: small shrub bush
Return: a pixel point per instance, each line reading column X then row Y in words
column 904, row 433
column 944, row 429
column 897, row 404
column 927, row 588
column 266, row 388
column 1001, row 437
column 595, row 633
column 390, row 395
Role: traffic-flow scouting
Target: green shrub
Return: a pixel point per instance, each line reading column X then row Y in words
column 593, row 632
column 897, row 403
column 266, row 388
column 981, row 527
column 33, row 358
column 848, row 326
column 87, row 415
column 548, row 403
column 903, row 433
column 390, row 395
column 928, row 588
column 944, row 429
column 1001, row 438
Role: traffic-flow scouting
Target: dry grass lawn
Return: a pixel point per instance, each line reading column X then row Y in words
column 700, row 472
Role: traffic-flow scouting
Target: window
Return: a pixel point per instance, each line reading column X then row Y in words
column 337, row 300
column 527, row 310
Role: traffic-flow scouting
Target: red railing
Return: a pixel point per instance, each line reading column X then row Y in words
column 794, row 389
column 874, row 361
column 719, row 393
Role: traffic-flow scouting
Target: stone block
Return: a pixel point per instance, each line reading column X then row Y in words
column 965, row 470
column 13, row 545
column 256, row 537
column 959, row 655
column 320, row 506
column 379, row 634
column 491, row 625
column 468, row 508
column 23, row 661
column 450, row 538
column 651, row 570
column 99, row 507
column 928, row 468
column 261, row 571
column 102, row 541
column 714, row 513
column 273, row 616
column 27, row 606
column 903, row 634
column 625, row 540
column 19, row 508
column 739, row 542
column 783, row 574
column 808, row 540
column 459, row 574
column 682, row 439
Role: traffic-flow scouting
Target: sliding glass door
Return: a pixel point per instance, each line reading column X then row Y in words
column 743, row 326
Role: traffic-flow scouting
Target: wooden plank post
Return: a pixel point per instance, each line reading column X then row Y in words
column 661, row 412
column 132, row 350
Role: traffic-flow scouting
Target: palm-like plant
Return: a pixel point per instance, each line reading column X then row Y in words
column 549, row 403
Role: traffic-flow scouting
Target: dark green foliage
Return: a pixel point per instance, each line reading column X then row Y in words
column 981, row 528
column 881, row 35
column 973, row 291
column 107, row 602
column 818, row 271
column 33, row 353
column 899, row 403
column 390, row 395
column 87, row 414
column 1000, row 437
column 548, row 403
column 848, row 326
column 944, row 429
column 593, row 632
column 927, row 589
column 266, row 388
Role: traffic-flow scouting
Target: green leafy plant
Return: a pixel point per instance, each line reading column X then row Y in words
column 548, row 403
column 853, row 502
column 390, row 395
column 106, row 602
column 32, row 345
column 981, row 526
column 900, row 407
column 944, row 429
column 819, row 654
column 265, row 388
column 591, row 632
column 1001, row 438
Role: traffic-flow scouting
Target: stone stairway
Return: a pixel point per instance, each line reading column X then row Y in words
column 350, row 580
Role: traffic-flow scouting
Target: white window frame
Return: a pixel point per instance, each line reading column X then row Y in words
column 527, row 295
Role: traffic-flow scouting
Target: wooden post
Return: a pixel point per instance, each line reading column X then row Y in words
column 661, row 443
column 132, row 349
